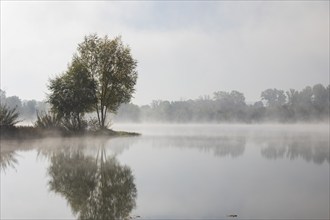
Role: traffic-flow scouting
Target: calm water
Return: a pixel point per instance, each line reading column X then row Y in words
column 171, row 172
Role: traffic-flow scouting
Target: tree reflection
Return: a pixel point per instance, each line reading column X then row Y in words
column 307, row 147
column 7, row 159
column 230, row 146
column 220, row 146
column 95, row 188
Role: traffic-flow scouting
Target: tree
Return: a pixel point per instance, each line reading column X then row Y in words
column 72, row 94
column 328, row 91
column 128, row 112
column 231, row 106
column 113, row 68
column 321, row 99
column 273, row 97
column 2, row 97
column 292, row 97
column 29, row 108
column 14, row 102
column 234, row 98
column 305, row 105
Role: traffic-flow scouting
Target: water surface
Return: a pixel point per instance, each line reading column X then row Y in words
column 171, row 171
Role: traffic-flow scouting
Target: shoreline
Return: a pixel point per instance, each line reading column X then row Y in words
column 29, row 132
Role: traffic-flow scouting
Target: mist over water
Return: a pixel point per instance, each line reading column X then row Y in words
column 223, row 129
column 171, row 171
column 231, row 100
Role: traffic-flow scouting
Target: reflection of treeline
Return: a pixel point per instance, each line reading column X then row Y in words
column 309, row 104
column 233, row 146
column 306, row 147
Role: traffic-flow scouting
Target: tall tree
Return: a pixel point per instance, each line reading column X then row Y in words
column 110, row 63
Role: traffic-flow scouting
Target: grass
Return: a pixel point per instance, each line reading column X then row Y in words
column 29, row 132
column 47, row 125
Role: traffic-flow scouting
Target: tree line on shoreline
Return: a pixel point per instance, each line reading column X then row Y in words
column 311, row 104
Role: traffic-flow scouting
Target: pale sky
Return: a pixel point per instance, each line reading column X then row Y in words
column 184, row 49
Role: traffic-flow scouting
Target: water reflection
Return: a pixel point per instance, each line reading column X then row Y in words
column 172, row 170
column 310, row 148
column 95, row 188
column 8, row 159
column 220, row 146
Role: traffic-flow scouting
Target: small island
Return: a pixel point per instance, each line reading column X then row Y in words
column 100, row 77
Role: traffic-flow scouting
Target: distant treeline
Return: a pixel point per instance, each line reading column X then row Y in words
column 27, row 109
column 308, row 105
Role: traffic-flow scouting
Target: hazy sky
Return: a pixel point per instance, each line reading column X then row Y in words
column 183, row 49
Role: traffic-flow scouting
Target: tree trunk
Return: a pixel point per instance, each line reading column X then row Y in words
column 78, row 119
column 98, row 114
column 102, row 122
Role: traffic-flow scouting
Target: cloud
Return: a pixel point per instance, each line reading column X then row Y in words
column 184, row 49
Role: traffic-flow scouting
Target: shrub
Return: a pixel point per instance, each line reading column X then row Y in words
column 8, row 117
column 73, row 125
column 48, row 121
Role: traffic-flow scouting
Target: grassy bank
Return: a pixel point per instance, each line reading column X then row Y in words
column 29, row 132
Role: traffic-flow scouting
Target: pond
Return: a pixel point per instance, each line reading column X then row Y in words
column 171, row 172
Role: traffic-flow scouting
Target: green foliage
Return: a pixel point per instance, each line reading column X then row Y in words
column 73, row 94
column 55, row 121
column 93, row 124
column 111, row 65
column 8, row 116
column 101, row 76
column 71, row 124
column 48, row 121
